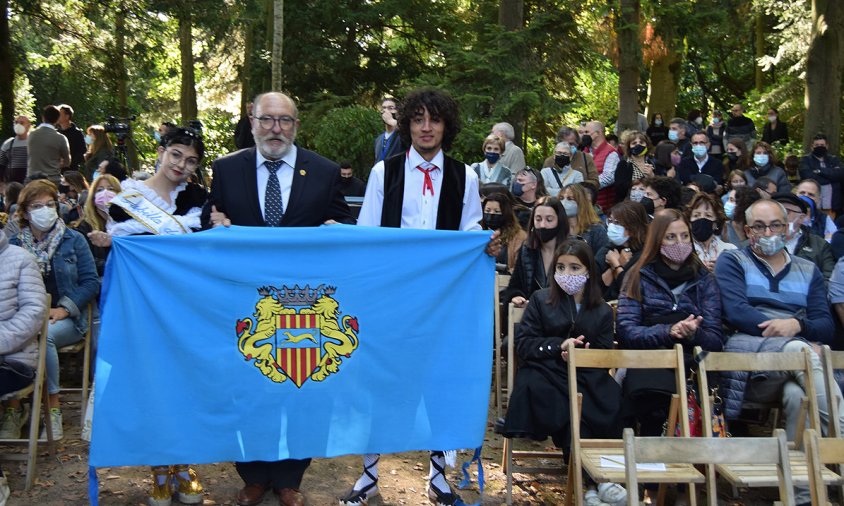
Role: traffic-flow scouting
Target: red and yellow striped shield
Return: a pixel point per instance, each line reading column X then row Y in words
column 299, row 345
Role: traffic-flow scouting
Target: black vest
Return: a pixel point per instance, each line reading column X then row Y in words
column 450, row 207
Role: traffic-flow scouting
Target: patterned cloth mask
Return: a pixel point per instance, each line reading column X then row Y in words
column 571, row 283
column 677, row 252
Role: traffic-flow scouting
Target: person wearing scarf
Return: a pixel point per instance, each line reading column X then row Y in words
column 668, row 297
column 70, row 277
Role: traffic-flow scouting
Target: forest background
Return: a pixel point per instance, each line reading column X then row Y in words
column 538, row 64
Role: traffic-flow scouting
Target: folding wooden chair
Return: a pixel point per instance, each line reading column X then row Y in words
column 820, row 452
column 38, row 389
column 85, row 346
column 586, row 454
column 501, row 281
column 761, row 475
column 509, row 462
column 831, row 361
column 666, row 450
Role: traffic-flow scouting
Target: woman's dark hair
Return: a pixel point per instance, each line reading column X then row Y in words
column 714, row 203
column 116, row 169
column 562, row 222
column 439, row 105
column 510, row 226
column 592, row 290
column 185, row 137
column 744, row 160
column 662, row 154
column 693, row 115
column 651, row 250
column 13, row 190
column 633, row 217
column 667, row 188
column 488, row 189
column 744, row 197
column 76, row 181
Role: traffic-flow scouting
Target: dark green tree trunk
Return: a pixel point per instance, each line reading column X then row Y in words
column 824, row 68
column 629, row 63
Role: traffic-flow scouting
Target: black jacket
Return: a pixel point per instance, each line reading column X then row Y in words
column 816, row 250
column 314, row 196
column 76, row 140
column 688, row 169
column 831, row 174
column 539, row 404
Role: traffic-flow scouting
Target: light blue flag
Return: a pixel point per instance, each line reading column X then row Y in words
column 248, row 344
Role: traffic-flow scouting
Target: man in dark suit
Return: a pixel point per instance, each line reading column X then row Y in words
column 274, row 184
column 389, row 143
column 700, row 162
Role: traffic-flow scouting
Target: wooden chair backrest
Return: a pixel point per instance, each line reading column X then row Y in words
column 616, row 359
column 764, row 450
column 831, row 361
column 732, row 361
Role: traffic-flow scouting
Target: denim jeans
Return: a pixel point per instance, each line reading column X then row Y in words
column 59, row 334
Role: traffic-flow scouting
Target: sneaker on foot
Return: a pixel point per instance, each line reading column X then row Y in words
column 612, row 493
column 56, row 422
column 591, row 498
column 187, row 485
column 360, row 497
column 13, row 420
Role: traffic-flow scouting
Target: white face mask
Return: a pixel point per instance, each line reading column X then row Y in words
column 43, row 219
column 19, row 129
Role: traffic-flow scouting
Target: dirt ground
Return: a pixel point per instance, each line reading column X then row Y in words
column 63, row 479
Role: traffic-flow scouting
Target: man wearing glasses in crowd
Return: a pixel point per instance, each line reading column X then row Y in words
column 776, row 302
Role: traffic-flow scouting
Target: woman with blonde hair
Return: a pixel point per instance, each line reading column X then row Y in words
column 99, row 149
column 490, row 170
column 584, row 223
column 95, row 215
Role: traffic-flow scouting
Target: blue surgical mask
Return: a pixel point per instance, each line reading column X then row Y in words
column 761, row 159
column 573, row 150
column 89, row 140
column 157, row 136
column 518, row 191
column 658, row 122
column 699, row 151
column 492, row 157
column 673, row 135
column 615, row 232
column 637, row 194
column 729, row 209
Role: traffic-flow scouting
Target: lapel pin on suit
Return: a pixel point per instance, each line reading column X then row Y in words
column 302, row 172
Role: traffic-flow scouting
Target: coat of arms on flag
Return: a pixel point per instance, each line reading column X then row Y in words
column 284, row 343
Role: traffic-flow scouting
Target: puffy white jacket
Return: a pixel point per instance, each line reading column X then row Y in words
column 23, row 304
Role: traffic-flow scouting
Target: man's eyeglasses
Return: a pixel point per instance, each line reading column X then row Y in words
column 39, row 205
column 268, row 122
column 759, row 228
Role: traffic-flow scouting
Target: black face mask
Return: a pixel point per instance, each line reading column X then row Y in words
column 732, row 157
column 547, row 234
column 637, row 149
column 702, row 229
column 585, row 141
column 345, row 181
column 63, row 188
column 493, row 221
column 562, row 160
column 819, row 151
column 649, row 204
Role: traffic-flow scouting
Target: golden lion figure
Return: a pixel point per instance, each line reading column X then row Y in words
column 266, row 314
column 340, row 343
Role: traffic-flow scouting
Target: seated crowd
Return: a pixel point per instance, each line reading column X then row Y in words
column 703, row 239
column 717, row 249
